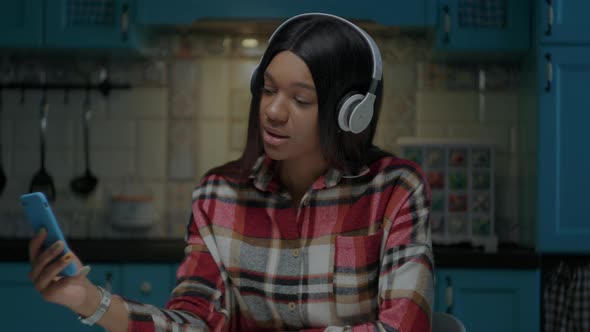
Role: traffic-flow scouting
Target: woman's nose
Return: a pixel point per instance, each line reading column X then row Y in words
column 276, row 111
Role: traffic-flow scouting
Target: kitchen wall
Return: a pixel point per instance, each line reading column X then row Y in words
column 187, row 112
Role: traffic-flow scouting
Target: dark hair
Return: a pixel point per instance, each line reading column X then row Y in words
column 340, row 62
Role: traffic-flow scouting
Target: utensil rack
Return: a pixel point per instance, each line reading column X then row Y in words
column 105, row 87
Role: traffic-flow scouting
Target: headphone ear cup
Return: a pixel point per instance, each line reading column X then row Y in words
column 346, row 107
column 361, row 115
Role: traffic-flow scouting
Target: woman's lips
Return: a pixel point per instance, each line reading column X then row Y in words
column 273, row 138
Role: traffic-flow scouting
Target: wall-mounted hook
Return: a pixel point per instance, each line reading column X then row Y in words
column 104, row 85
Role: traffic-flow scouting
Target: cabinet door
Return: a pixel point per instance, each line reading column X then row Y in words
column 464, row 25
column 90, row 24
column 21, row 23
column 490, row 300
column 388, row 12
column 23, row 308
column 563, row 21
column 147, row 283
column 564, row 157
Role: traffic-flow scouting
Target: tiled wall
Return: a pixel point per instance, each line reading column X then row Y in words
column 187, row 112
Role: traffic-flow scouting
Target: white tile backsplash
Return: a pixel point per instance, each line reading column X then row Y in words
column 184, row 78
column 181, row 150
column 213, row 90
column 187, row 111
column 138, row 103
column 240, row 104
column 212, row 145
column 239, row 133
column 112, row 134
column 445, row 106
column 114, row 163
column 241, row 73
column 151, row 149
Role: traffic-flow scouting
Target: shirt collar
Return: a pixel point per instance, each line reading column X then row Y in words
column 265, row 177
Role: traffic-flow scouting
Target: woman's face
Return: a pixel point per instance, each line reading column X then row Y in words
column 289, row 109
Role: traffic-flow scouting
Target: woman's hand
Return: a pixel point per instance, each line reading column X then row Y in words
column 76, row 293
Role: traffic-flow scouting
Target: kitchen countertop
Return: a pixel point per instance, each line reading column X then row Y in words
column 172, row 251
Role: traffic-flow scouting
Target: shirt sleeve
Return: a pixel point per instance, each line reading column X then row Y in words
column 406, row 280
column 197, row 303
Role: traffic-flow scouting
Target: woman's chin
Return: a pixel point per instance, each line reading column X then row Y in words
column 274, row 152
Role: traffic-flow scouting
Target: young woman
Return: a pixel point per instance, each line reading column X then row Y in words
column 314, row 228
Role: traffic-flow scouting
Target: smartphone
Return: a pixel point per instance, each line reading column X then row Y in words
column 39, row 214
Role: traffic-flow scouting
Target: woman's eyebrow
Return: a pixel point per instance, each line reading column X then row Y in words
column 296, row 84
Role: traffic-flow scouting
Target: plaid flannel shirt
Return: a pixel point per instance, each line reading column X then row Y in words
column 355, row 255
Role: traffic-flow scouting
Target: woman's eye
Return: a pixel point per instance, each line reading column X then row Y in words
column 267, row 91
column 302, row 101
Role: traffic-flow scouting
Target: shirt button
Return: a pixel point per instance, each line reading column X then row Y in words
column 306, row 201
column 292, row 306
column 295, row 252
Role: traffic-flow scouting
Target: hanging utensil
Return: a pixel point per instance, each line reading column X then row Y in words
column 2, row 174
column 42, row 180
column 84, row 185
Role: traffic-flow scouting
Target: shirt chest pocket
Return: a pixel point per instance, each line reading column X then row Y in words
column 356, row 273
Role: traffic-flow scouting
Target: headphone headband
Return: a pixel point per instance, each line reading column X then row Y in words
column 377, row 62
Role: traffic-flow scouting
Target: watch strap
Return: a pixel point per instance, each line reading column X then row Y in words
column 105, row 302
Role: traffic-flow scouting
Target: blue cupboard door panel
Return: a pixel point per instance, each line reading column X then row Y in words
column 147, row 283
column 170, row 12
column 23, row 309
column 570, row 21
column 107, row 276
column 564, row 156
column 492, row 300
column 90, row 24
column 485, row 32
column 387, row 12
column 21, row 23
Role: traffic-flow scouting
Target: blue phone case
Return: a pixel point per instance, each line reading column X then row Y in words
column 40, row 215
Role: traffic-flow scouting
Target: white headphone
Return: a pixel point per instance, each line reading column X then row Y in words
column 355, row 109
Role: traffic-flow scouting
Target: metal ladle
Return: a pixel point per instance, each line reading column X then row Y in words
column 42, row 180
column 84, row 185
column 2, row 174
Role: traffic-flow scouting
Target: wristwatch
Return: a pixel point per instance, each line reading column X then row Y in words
column 105, row 302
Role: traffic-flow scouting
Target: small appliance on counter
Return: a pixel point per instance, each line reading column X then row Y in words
column 461, row 178
column 131, row 208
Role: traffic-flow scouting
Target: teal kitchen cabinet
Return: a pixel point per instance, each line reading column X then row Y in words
column 148, row 283
column 68, row 24
column 23, row 309
column 563, row 157
column 563, row 21
column 387, row 12
column 21, row 23
column 487, row 26
column 489, row 299
column 90, row 24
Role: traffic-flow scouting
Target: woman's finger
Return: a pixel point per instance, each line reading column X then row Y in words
column 35, row 244
column 51, row 271
column 45, row 258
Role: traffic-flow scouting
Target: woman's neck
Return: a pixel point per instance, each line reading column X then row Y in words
column 298, row 175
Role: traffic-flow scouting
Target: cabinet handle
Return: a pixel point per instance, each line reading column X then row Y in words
column 145, row 288
column 108, row 285
column 124, row 22
column 449, row 296
column 549, row 17
column 447, row 24
column 549, row 72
